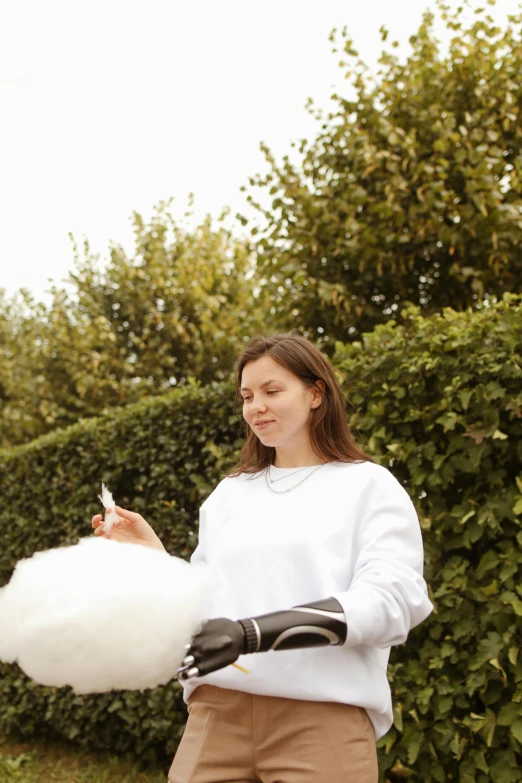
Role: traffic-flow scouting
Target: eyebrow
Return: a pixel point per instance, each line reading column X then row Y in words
column 266, row 383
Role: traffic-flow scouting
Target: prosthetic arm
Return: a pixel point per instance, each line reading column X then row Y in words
column 220, row 642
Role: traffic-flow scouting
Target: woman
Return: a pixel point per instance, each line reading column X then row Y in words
column 314, row 546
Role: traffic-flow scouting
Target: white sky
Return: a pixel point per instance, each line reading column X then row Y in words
column 110, row 106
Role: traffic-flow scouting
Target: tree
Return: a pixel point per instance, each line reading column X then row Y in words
column 181, row 308
column 411, row 191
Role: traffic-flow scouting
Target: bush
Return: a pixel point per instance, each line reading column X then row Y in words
column 160, row 458
column 439, row 402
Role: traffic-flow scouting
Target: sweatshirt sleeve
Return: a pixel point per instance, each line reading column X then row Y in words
column 388, row 595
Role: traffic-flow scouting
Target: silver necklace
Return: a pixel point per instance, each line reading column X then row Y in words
column 283, row 491
column 273, row 481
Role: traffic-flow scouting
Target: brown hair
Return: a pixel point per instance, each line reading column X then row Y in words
column 330, row 436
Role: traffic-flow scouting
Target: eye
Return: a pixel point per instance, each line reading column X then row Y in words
column 274, row 391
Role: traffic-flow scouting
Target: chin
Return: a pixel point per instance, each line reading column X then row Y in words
column 266, row 441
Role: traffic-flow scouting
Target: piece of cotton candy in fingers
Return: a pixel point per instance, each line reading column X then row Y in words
column 108, row 503
column 102, row 615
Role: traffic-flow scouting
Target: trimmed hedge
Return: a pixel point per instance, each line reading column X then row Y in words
column 439, row 402
column 159, row 458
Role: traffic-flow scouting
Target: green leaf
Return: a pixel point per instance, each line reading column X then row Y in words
column 448, row 420
column 480, row 761
column 468, row 516
column 503, row 771
column 516, row 729
column 465, row 397
column 487, row 562
column 397, row 716
column 509, row 713
column 414, row 745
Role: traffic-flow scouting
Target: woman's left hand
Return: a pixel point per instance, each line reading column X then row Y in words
column 131, row 528
column 219, row 643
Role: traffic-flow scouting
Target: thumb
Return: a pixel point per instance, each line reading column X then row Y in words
column 130, row 516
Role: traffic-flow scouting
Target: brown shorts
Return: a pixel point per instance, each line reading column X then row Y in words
column 244, row 738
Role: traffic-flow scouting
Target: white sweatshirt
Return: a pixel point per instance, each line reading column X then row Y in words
column 349, row 531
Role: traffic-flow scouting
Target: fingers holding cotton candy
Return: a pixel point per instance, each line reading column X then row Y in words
column 123, row 525
column 102, row 615
column 111, row 517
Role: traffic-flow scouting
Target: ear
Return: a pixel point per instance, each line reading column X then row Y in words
column 318, row 390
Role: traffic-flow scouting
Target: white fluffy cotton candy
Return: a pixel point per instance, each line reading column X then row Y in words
column 108, row 503
column 102, row 615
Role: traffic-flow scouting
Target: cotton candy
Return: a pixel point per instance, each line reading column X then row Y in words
column 102, row 615
column 108, row 503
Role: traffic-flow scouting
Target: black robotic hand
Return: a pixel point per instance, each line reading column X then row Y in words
column 219, row 643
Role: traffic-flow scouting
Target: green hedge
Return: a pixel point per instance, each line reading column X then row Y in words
column 160, row 458
column 440, row 401
column 436, row 400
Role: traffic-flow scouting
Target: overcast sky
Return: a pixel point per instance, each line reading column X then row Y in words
column 112, row 106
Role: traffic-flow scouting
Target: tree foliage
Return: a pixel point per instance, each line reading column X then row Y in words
column 410, row 193
column 180, row 308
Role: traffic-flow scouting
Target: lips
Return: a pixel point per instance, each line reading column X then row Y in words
column 263, row 424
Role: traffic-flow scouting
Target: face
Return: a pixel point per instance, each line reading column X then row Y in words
column 286, row 402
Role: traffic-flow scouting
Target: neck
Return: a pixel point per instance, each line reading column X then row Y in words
column 300, row 465
column 297, row 452
column 297, row 461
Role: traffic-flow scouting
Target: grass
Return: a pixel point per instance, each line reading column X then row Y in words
column 64, row 762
